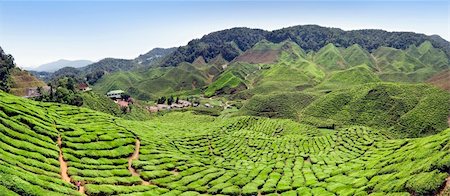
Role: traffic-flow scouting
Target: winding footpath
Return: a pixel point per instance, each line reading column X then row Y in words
column 135, row 156
column 63, row 166
column 63, row 163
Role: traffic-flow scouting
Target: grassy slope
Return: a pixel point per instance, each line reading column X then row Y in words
column 190, row 154
column 412, row 110
column 236, row 76
column 356, row 55
column 293, row 69
column 291, row 72
column 155, row 82
column 330, row 58
column 277, row 105
column 23, row 80
column 343, row 79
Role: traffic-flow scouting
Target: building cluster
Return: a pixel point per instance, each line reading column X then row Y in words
column 176, row 105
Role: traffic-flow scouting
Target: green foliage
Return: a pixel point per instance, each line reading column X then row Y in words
column 282, row 105
column 62, row 91
column 343, row 79
column 186, row 154
column 6, row 67
column 425, row 183
column 100, row 103
column 407, row 110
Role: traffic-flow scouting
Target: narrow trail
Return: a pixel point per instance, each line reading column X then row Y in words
column 63, row 163
column 82, row 190
column 134, row 156
column 446, row 190
column 63, row 166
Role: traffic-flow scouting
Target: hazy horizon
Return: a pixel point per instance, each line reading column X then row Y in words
column 41, row 32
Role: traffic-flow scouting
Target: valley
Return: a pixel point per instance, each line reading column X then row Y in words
column 294, row 111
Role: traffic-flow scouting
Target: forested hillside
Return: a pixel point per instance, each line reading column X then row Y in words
column 232, row 42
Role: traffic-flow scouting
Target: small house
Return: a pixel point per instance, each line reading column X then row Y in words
column 115, row 94
column 83, row 87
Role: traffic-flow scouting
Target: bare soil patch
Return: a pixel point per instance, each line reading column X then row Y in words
column 254, row 57
column 62, row 163
column 134, row 156
column 441, row 80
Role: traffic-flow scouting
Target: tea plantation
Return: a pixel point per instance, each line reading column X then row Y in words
column 47, row 148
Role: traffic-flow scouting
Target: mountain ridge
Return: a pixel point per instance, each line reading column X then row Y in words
column 232, row 42
column 56, row 65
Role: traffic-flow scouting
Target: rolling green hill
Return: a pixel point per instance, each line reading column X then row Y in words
column 277, row 105
column 407, row 109
column 356, row 55
column 332, row 68
column 330, row 58
column 236, row 77
column 156, row 82
column 46, row 148
column 290, row 59
column 343, row 79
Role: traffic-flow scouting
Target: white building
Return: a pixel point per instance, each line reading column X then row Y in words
column 115, row 94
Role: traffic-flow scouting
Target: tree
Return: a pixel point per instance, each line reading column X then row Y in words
column 170, row 100
column 6, row 67
column 161, row 100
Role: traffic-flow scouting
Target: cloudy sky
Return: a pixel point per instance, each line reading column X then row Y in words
column 38, row 32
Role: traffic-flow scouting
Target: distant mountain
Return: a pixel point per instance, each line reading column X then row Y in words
column 94, row 71
column 54, row 66
column 153, row 55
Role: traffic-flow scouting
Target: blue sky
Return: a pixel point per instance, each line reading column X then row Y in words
column 38, row 32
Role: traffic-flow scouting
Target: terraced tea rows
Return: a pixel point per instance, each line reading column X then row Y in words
column 246, row 158
column 29, row 156
column 186, row 154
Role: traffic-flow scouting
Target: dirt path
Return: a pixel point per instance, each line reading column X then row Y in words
column 134, row 156
column 446, row 190
column 63, row 166
column 62, row 163
column 81, row 189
